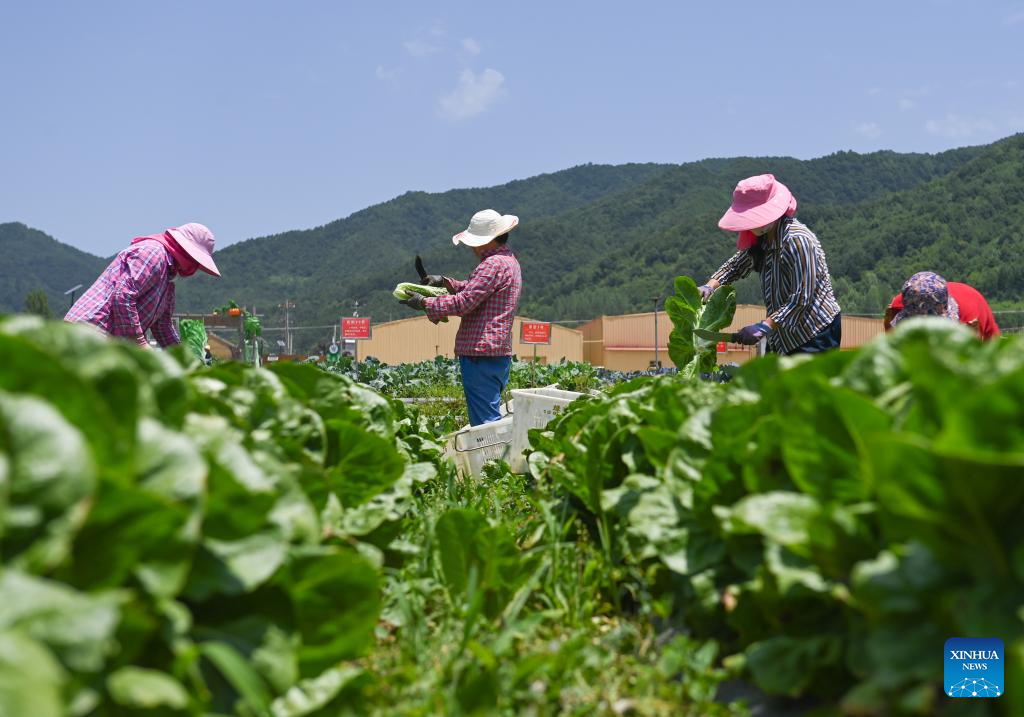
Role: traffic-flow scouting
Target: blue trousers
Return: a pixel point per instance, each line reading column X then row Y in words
column 483, row 380
column 828, row 339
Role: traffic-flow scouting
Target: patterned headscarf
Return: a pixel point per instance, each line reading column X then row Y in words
column 926, row 294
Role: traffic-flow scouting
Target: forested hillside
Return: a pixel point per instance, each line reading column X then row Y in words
column 33, row 260
column 608, row 239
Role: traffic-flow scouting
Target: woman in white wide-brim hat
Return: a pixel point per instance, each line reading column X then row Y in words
column 487, row 303
column 803, row 314
column 135, row 293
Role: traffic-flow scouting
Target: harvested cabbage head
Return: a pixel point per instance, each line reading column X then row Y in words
column 403, row 290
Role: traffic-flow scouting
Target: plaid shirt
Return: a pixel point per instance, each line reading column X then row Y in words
column 487, row 303
column 796, row 283
column 134, row 294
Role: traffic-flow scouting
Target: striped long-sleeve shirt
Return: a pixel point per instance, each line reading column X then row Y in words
column 134, row 294
column 796, row 283
column 487, row 303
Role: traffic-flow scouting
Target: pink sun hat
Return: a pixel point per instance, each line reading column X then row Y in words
column 197, row 240
column 756, row 202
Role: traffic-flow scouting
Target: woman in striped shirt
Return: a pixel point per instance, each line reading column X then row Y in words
column 803, row 314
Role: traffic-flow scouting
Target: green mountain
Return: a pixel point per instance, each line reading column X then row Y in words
column 967, row 224
column 679, row 234
column 603, row 239
column 593, row 239
column 33, row 260
column 311, row 266
column 360, row 258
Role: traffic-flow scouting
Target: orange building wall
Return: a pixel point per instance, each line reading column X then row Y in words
column 416, row 339
column 626, row 342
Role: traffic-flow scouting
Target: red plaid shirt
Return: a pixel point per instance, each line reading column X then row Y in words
column 133, row 295
column 487, row 303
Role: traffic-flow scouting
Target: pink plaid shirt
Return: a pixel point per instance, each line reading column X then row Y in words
column 133, row 295
column 487, row 303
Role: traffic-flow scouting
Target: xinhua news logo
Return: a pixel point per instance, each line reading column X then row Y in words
column 974, row 667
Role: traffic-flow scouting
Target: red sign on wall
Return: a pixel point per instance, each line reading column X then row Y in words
column 355, row 327
column 535, row 332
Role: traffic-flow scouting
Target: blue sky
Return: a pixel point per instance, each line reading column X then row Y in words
column 123, row 118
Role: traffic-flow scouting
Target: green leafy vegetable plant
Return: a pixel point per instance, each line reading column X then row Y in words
column 691, row 354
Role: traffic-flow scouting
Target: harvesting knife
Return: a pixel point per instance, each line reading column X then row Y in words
column 420, row 270
column 714, row 335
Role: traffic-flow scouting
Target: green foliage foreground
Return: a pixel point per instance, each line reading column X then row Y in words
column 183, row 540
column 830, row 521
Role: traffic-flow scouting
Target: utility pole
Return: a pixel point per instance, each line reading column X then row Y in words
column 657, row 362
column 72, row 291
column 355, row 342
column 255, row 341
column 288, row 305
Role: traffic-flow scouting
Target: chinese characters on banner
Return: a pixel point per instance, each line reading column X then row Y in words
column 535, row 332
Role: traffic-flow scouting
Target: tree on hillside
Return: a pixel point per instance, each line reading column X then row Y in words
column 37, row 302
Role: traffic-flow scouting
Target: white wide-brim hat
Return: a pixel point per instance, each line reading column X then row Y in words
column 484, row 227
column 197, row 241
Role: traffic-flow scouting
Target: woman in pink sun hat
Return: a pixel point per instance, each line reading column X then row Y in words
column 803, row 314
column 135, row 293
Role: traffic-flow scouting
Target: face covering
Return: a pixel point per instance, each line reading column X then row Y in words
column 184, row 264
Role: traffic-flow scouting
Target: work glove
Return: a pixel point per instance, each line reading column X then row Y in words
column 425, row 278
column 415, row 301
column 705, row 292
column 750, row 335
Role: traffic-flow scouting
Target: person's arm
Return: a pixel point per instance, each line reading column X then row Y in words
column 887, row 317
column 735, row 268
column 987, row 326
column 163, row 330
column 806, row 270
column 895, row 306
column 484, row 282
column 454, row 286
column 144, row 268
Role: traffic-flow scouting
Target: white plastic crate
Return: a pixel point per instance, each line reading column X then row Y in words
column 473, row 446
column 533, row 408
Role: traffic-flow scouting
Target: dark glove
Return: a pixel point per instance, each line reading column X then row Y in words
column 415, row 301
column 425, row 278
column 750, row 335
column 705, row 292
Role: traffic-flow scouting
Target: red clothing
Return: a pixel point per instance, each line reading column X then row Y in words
column 487, row 303
column 134, row 294
column 972, row 306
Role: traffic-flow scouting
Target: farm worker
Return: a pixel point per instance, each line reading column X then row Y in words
column 803, row 314
column 928, row 294
column 135, row 293
column 487, row 303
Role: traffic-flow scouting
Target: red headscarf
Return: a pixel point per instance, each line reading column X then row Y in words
column 184, row 264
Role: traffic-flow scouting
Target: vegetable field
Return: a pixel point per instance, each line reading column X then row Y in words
column 443, row 373
column 436, row 386
column 285, row 542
